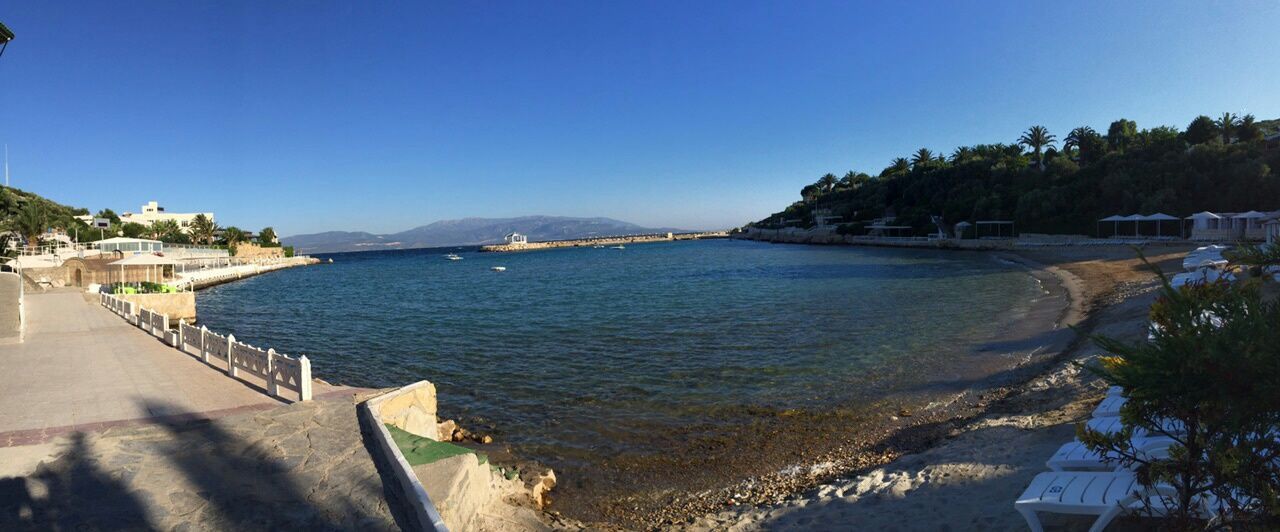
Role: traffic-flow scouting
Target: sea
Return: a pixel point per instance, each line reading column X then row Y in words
column 587, row 358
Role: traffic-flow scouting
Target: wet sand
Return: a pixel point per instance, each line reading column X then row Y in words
column 783, row 458
column 969, row 477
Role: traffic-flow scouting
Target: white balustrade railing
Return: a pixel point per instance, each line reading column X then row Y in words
column 237, row 359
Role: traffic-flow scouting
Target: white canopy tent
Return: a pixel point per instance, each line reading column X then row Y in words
column 1114, row 218
column 1159, row 217
column 1136, row 219
column 155, row 265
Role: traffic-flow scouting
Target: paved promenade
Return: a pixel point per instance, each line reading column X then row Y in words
column 104, row 427
column 83, row 368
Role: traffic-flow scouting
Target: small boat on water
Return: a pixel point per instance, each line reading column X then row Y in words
column 598, row 246
column 619, row 246
column 453, row 256
column 499, row 268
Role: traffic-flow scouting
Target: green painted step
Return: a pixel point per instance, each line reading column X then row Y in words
column 418, row 450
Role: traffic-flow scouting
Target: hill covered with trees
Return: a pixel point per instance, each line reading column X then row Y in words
column 1052, row 184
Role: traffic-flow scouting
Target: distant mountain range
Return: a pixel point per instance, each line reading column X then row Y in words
column 468, row 232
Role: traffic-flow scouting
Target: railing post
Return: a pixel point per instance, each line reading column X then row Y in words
column 272, row 390
column 204, row 353
column 231, row 356
column 182, row 346
column 164, row 328
column 304, row 378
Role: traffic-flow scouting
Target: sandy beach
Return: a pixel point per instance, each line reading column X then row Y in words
column 968, row 479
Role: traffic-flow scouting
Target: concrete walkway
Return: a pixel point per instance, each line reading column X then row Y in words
column 302, row 466
column 83, row 368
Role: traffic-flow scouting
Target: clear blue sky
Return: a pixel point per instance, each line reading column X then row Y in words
column 315, row 116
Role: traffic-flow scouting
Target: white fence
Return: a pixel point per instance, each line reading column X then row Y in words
column 278, row 371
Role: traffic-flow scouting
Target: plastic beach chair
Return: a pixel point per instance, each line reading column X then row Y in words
column 1080, row 493
column 1110, row 407
column 1074, row 455
column 1106, row 495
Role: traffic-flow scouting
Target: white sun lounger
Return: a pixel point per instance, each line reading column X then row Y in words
column 1112, row 425
column 1110, row 407
column 1074, row 456
column 1080, row 493
column 1106, row 495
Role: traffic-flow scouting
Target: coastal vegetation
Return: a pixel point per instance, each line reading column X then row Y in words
column 1208, row 380
column 1043, row 185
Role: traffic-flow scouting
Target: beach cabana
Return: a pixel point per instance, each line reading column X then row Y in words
column 1158, row 218
column 994, row 225
column 1115, row 219
column 154, row 265
column 1136, row 219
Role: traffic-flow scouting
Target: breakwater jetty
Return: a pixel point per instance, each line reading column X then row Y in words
column 605, row 241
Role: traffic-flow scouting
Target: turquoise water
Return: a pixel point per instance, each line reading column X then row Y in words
column 577, row 354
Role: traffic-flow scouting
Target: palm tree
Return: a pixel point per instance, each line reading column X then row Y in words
column 203, row 229
column 165, row 230
column 827, row 182
column 922, row 157
column 233, row 235
column 900, row 165
column 1227, row 125
column 266, row 237
column 1037, row 138
column 961, row 154
column 1248, row 130
column 1076, row 138
column 30, row 223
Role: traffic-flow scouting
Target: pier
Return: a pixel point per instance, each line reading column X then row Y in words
column 605, row 241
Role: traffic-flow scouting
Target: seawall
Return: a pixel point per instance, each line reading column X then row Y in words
column 795, row 235
column 605, row 241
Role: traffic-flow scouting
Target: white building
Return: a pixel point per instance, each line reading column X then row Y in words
column 95, row 222
column 1230, row 226
column 516, row 238
column 152, row 212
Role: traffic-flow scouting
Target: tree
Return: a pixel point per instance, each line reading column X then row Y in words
column 827, row 183
column 1248, row 130
column 922, row 157
column 1208, row 381
column 1037, row 138
column 133, row 230
column 109, row 214
column 1121, row 133
column 1227, row 126
column 899, row 166
column 1086, row 143
column 961, row 154
column 165, row 230
column 1201, row 130
column 31, row 222
column 203, row 229
column 233, row 235
column 267, row 236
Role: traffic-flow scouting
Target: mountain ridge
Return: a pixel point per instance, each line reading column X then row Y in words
column 471, row 231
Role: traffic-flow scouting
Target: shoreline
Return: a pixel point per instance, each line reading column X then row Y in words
column 932, row 481
column 797, row 451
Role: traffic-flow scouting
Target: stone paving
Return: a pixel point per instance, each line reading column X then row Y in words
column 294, row 467
column 82, row 368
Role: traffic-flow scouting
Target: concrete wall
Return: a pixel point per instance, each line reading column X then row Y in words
column 179, row 306
column 10, row 305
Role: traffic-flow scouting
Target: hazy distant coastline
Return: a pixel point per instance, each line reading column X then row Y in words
column 469, row 232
